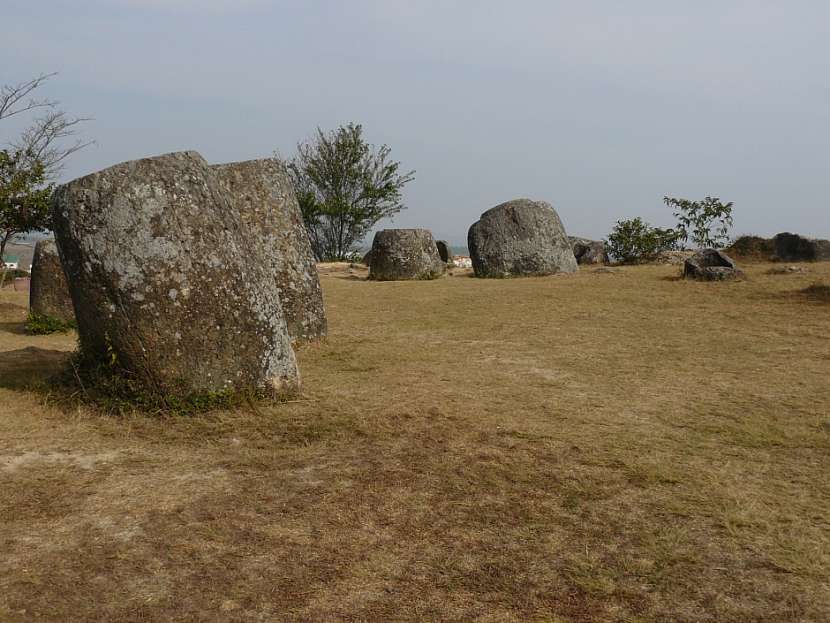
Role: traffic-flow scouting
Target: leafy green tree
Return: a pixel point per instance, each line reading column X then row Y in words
column 344, row 187
column 24, row 197
column 705, row 222
column 35, row 158
column 634, row 241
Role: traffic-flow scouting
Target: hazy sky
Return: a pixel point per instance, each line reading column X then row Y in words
column 599, row 107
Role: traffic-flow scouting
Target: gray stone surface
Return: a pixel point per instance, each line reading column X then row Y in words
column 444, row 250
column 711, row 265
column 159, row 273
column 263, row 197
column 794, row 248
column 48, row 291
column 402, row 254
column 588, row 251
column 520, row 237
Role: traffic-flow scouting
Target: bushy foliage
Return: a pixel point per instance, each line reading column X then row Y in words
column 42, row 324
column 706, row 223
column 344, row 186
column 634, row 241
column 752, row 247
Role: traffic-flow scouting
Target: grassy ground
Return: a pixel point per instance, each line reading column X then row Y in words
column 599, row 447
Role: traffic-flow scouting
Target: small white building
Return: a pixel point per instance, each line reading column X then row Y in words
column 11, row 261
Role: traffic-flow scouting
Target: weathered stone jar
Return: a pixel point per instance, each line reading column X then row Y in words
column 405, row 254
column 48, row 291
column 262, row 195
column 589, row 251
column 162, row 281
column 520, row 238
column 711, row 265
column 444, row 250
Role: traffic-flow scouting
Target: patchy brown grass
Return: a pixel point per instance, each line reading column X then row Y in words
column 597, row 447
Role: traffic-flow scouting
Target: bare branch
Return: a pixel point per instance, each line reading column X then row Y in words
column 41, row 141
column 13, row 98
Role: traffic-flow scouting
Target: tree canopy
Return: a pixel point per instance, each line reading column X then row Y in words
column 705, row 222
column 344, row 187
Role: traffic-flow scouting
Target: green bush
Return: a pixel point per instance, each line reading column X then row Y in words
column 41, row 324
column 634, row 241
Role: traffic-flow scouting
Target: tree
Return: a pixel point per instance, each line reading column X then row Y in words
column 706, row 222
column 24, row 199
column 635, row 241
column 344, row 187
column 34, row 159
column 42, row 143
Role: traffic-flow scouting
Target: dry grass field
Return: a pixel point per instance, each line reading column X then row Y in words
column 606, row 446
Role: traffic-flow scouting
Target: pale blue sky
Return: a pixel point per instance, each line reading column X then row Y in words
column 600, row 108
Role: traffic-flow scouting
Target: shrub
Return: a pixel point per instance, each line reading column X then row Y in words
column 752, row 247
column 41, row 324
column 635, row 241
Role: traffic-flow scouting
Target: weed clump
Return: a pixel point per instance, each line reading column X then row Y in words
column 43, row 324
column 110, row 387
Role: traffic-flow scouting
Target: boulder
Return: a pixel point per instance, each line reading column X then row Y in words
column 588, row 251
column 263, row 196
column 48, row 291
column 710, row 265
column 520, row 237
column 794, row 248
column 444, row 251
column 367, row 259
column 401, row 254
column 165, row 282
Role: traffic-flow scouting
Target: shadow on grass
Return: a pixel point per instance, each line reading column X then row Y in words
column 30, row 367
column 349, row 277
column 817, row 293
column 15, row 328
